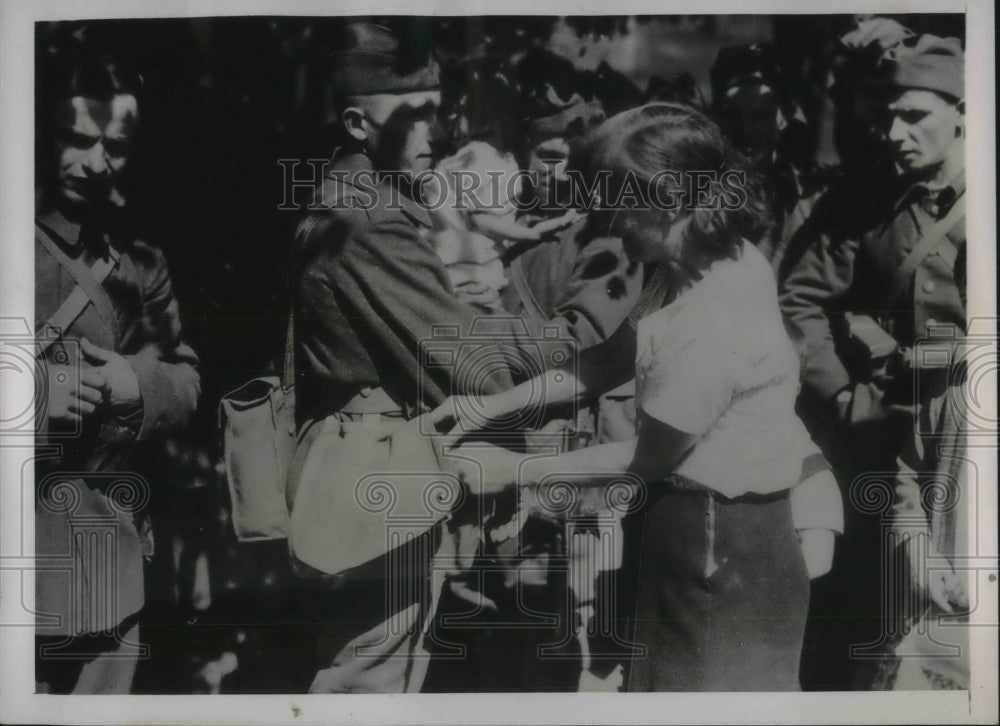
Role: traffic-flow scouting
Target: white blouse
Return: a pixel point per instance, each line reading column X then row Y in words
column 717, row 363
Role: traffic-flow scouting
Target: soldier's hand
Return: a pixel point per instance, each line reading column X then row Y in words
column 864, row 405
column 557, row 224
column 122, row 384
column 476, row 293
column 942, row 584
column 484, row 468
column 464, row 414
column 74, row 392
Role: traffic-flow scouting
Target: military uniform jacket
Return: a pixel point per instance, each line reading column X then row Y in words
column 89, row 575
column 583, row 278
column 850, row 273
column 374, row 306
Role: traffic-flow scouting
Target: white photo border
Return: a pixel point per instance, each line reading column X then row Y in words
column 19, row 704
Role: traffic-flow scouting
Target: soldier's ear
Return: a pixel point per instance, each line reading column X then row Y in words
column 353, row 120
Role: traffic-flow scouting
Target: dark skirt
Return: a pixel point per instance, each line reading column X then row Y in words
column 723, row 594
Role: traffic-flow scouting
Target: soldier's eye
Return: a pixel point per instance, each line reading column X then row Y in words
column 69, row 137
column 912, row 116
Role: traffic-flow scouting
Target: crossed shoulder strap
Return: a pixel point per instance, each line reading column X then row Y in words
column 88, row 290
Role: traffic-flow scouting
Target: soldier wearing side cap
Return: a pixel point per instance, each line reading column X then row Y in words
column 839, row 281
column 369, row 290
column 863, row 294
column 753, row 104
column 583, row 275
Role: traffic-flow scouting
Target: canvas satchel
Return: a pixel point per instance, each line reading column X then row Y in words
column 258, row 440
column 368, row 485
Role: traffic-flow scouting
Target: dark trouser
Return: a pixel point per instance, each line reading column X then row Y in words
column 723, row 594
column 89, row 664
column 847, row 612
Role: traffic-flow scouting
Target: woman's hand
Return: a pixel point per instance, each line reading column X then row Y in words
column 486, row 469
column 463, row 414
column 817, row 550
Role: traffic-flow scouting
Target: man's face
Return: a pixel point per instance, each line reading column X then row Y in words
column 547, row 162
column 400, row 129
column 93, row 138
column 922, row 127
column 750, row 118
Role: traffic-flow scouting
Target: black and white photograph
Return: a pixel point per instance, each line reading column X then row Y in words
column 480, row 359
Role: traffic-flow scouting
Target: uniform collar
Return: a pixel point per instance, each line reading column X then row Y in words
column 345, row 164
column 74, row 237
column 935, row 200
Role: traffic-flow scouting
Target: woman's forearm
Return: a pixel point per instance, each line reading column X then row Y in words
column 613, row 457
column 599, row 368
column 552, row 387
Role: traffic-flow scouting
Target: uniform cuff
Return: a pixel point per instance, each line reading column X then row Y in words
column 152, row 392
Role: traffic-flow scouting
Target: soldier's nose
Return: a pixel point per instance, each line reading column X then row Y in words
column 897, row 131
column 95, row 163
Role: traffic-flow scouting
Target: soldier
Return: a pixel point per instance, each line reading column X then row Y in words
column 863, row 294
column 752, row 102
column 369, row 289
column 878, row 274
column 865, row 179
column 584, row 275
column 116, row 373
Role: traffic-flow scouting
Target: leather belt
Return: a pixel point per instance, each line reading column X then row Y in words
column 677, row 484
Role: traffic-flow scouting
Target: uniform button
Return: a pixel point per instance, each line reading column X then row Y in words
column 929, row 286
column 365, row 391
column 931, row 322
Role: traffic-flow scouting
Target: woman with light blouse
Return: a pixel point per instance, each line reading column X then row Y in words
column 723, row 584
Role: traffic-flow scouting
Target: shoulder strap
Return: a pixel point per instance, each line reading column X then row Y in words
column 923, row 248
column 288, row 370
column 531, row 306
column 88, row 289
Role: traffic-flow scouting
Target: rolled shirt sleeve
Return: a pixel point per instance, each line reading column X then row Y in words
column 816, row 500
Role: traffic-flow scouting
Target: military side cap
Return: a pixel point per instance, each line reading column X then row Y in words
column 927, row 62
column 373, row 60
column 859, row 51
column 744, row 65
column 874, row 33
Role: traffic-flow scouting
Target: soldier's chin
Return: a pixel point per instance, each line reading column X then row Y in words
column 421, row 163
column 76, row 197
column 909, row 162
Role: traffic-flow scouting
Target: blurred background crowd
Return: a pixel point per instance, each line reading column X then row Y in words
column 225, row 98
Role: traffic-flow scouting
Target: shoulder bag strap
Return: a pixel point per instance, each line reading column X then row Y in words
column 87, row 290
column 924, row 247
